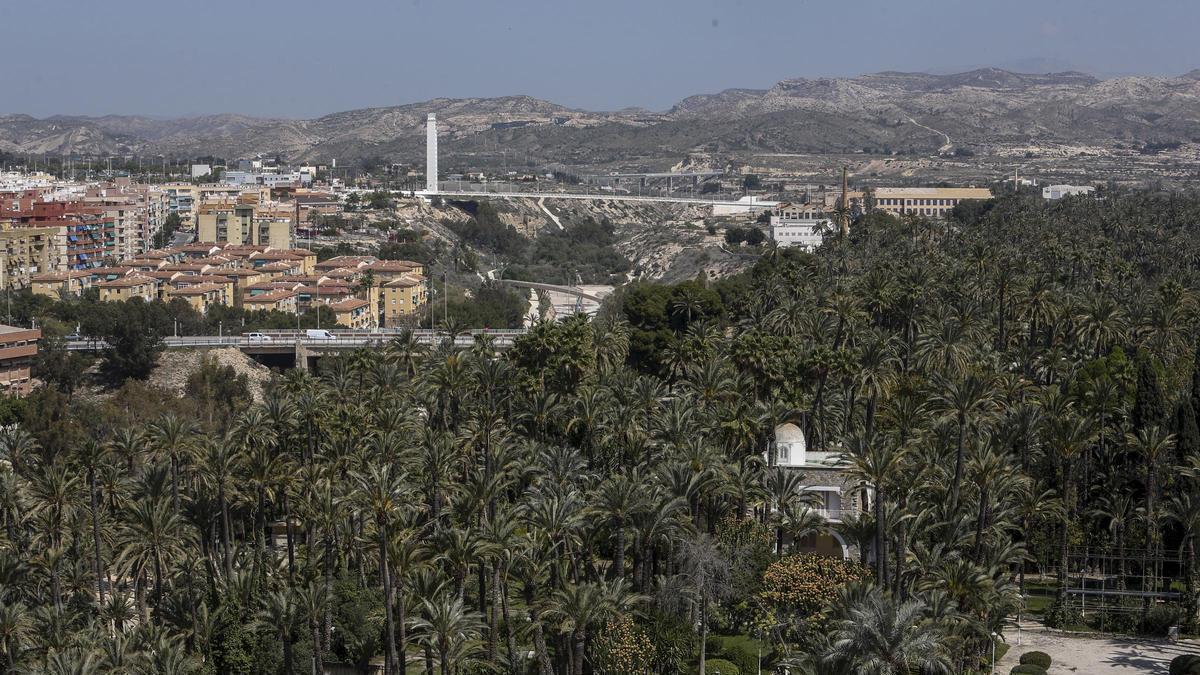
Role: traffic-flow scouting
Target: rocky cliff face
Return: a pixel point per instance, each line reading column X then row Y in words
column 907, row 112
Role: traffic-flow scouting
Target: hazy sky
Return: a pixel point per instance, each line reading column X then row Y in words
column 303, row 58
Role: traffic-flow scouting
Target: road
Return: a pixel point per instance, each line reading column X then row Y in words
column 542, row 204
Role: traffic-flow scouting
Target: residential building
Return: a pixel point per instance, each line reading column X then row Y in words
column 58, row 284
column 401, row 298
column 224, row 283
column 26, row 251
column 277, row 300
column 18, row 349
column 1060, row 191
column 199, row 296
column 243, row 223
column 128, row 287
column 353, row 313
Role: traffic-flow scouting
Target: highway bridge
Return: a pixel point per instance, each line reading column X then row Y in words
column 725, row 203
column 287, row 341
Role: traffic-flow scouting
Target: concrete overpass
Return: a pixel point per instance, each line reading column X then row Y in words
column 288, row 341
column 723, row 204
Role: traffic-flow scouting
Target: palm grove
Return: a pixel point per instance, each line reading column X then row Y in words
column 1014, row 386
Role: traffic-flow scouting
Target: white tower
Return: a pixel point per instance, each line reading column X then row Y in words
column 431, row 171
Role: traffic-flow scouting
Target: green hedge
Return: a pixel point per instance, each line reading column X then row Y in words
column 1188, row 664
column 720, row 667
column 1027, row 669
column 1039, row 659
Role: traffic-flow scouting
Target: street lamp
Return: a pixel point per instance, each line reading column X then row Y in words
column 995, row 637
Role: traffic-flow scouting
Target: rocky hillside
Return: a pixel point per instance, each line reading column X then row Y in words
column 904, row 112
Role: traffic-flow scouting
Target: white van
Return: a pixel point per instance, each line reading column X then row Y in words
column 319, row 334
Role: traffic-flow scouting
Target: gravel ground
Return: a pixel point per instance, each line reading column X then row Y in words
column 1096, row 655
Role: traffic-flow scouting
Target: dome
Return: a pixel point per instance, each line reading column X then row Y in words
column 789, row 433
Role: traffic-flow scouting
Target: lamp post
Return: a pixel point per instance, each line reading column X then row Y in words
column 995, row 637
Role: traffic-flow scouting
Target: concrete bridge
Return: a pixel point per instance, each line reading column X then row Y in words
column 288, row 341
column 717, row 204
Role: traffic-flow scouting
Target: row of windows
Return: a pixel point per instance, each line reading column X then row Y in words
column 893, row 201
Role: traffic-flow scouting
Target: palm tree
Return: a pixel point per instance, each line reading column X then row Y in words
column 881, row 636
column 283, row 612
column 450, row 629
column 964, row 401
column 578, row 608
column 153, row 537
column 381, row 495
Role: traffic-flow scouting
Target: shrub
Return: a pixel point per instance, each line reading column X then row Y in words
column 1062, row 614
column 1160, row 618
column 1188, row 664
column 720, row 667
column 1027, row 669
column 1040, row 659
column 805, row 584
column 743, row 656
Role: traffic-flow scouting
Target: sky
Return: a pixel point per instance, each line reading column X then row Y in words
column 305, row 58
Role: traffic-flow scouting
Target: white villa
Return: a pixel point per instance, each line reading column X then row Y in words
column 826, row 479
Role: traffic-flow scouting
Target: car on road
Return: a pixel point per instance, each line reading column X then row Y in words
column 258, row 337
column 73, row 337
column 319, row 334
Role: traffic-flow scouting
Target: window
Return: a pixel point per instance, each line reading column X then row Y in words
column 782, row 454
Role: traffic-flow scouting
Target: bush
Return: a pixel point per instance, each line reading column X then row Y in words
column 720, row 667
column 1040, row 659
column 743, row 655
column 1160, row 618
column 1188, row 664
column 1027, row 669
column 1062, row 614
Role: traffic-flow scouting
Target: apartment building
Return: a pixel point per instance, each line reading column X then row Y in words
column 26, row 251
column 401, row 298
column 243, row 223
column 128, row 288
column 353, row 313
column 276, row 301
column 18, row 349
column 200, row 296
column 59, row 284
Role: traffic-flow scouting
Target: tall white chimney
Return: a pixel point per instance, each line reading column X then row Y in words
column 431, row 169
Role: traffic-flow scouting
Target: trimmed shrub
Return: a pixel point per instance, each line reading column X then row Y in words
column 1188, row 664
column 1040, row 659
column 720, row 667
column 1027, row 669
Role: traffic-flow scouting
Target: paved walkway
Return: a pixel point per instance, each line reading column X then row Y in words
column 1078, row 655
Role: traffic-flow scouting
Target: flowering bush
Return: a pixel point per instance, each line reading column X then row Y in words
column 803, row 585
column 623, row 648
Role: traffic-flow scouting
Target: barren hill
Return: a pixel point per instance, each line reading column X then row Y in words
column 905, row 112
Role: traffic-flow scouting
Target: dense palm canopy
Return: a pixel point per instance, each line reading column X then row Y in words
column 1005, row 389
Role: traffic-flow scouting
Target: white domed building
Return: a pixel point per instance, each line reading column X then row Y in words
column 825, row 472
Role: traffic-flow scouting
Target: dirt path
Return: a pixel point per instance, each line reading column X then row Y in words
column 1078, row 655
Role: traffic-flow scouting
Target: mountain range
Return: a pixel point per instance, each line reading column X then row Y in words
column 888, row 111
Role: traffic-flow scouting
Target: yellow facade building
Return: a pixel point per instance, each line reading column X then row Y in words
column 401, row 298
column 127, row 288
